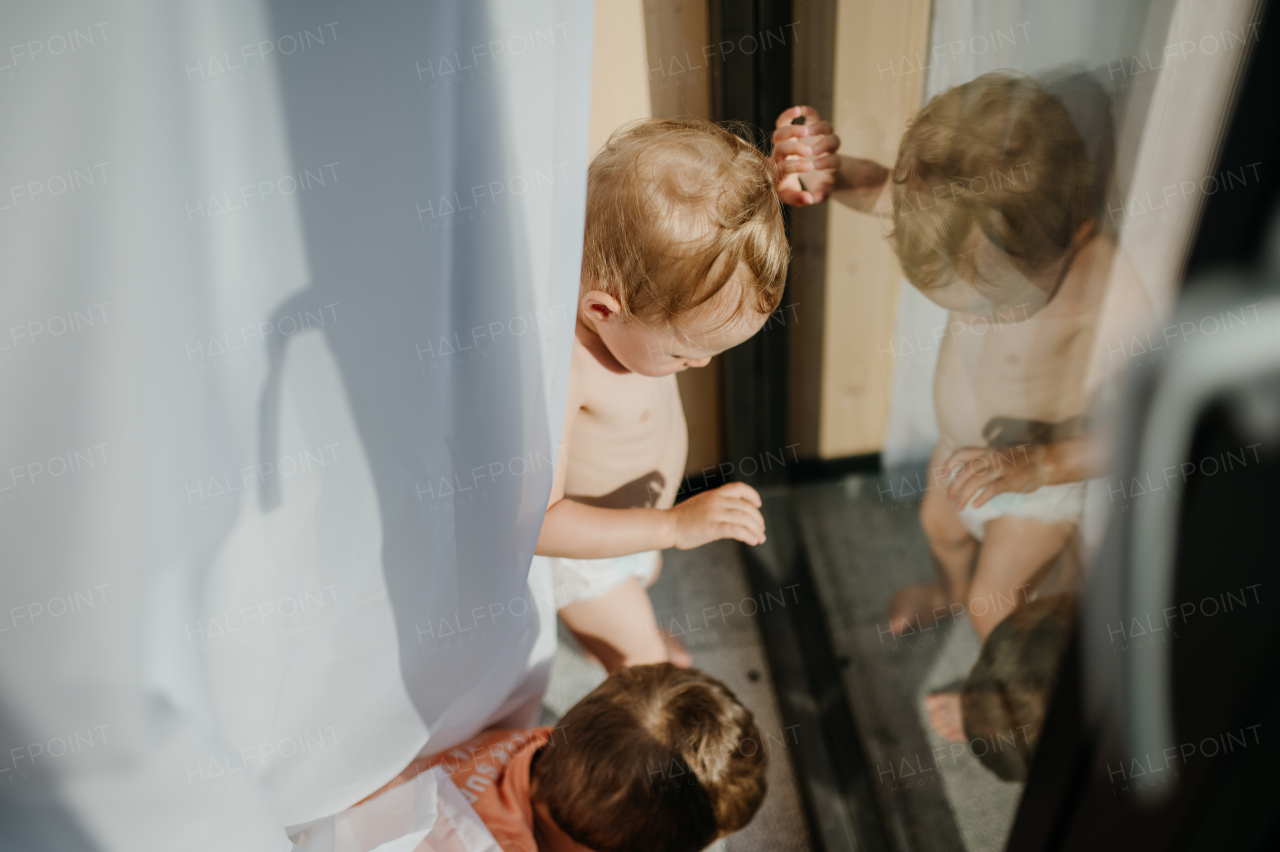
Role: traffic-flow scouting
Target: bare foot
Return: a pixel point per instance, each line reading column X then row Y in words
column 912, row 608
column 945, row 716
column 676, row 651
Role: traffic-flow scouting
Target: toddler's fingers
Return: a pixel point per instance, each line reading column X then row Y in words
column 791, row 148
column 961, row 467
column 982, row 497
column 823, row 144
column 741, row 521
column 794, row 167
column 742, row 491
column 740, row 512
column 789, row 115
column 741, row 533
column 975, row 483
column 957, row 485
column 830, row 161
column 791, row 131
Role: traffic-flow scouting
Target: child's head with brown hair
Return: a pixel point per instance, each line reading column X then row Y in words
column 992, row 192
column 685, row 252
column 1006, row 696
column 657, row 758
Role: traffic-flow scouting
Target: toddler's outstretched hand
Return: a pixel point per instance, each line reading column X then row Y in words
column 808, row 149
column 730, row 511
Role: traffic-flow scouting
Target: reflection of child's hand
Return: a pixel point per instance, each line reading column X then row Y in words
column 808, row 149
column 992, row 472
column 730, row 511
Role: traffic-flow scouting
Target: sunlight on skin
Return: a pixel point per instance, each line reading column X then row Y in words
column 660, row 350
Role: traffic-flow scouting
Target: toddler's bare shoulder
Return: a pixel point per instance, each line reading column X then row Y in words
column 1127, row 296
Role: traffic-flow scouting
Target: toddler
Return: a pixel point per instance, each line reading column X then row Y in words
column 685, row 256
column 656, row 758
column 994, row 202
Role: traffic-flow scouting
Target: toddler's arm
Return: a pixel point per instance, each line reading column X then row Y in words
column 578, row 531
column 982, row 473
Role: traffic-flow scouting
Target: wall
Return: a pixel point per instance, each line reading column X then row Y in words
column 874, row 93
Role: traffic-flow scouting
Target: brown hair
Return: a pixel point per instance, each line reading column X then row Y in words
column 653, row 759
column 997, row 156
column 673, row 208
column 1006, row 696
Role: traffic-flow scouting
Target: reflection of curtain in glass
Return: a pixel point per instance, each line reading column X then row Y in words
column 969, row 38
column 288, row 307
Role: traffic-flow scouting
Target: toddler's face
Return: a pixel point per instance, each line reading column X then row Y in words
column 690, row 341
column 661, row 351
column 1003, row 289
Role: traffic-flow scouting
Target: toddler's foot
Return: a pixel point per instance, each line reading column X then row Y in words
column 677, row 652
column 912, row 608
column 945, row 716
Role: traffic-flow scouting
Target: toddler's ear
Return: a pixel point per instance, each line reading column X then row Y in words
column 600, row 306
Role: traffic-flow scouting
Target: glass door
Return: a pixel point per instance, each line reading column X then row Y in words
column 985, row 262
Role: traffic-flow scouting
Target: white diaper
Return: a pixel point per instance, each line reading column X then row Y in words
column 1050, row 504
column 584, row 579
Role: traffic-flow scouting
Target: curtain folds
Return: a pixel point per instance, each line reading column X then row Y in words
column 289, row 298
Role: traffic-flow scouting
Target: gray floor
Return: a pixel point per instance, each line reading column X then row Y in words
column 727, row 645
column 861, row 550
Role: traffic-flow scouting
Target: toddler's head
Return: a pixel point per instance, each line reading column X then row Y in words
column 1006, row 696
column 656, row 758
column 991, row 195
column 685, row 253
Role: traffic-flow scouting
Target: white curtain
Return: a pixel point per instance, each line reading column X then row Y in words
column 287, row 305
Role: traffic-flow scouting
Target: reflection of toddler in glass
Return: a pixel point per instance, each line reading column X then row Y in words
column 1005, row 699
column 993, row 214
column 685, row 256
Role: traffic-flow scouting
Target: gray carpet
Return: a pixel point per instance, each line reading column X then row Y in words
column 862, row 550
column 726, row 645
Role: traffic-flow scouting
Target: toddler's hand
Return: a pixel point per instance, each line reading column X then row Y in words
column 990, row 472
column 808, row 149
column 730, row 511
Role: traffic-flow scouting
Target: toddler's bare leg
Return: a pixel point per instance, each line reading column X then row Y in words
column 619, row 627
column 1015, row 552
column 953, row 551
column 679, row 654
column 949, row 540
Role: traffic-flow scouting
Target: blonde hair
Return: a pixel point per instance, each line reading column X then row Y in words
column 997, row 157
column 674, row 207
